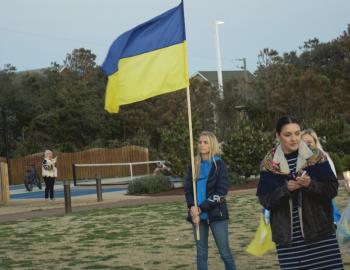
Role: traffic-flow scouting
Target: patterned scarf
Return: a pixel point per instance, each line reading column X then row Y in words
column 274, row 169
column 271, row 165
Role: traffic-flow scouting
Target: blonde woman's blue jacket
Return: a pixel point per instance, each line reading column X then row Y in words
column 216, row 191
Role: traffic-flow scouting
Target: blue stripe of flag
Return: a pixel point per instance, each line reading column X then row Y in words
column 162, row 31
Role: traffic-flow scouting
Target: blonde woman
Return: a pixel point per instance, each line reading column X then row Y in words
column 310, row 137
column 49, row 173
column 212, row 186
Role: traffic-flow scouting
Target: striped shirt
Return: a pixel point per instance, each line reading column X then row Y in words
column 300, row 255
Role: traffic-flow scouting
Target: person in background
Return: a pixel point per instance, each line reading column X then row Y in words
column 310, row 137
column 212, row 186
column 297, row 185
column 49, row 173
column 161, row 169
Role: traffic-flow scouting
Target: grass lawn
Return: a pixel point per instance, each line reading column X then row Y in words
column 138, row 237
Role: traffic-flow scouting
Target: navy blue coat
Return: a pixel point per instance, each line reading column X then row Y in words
column 216, row 191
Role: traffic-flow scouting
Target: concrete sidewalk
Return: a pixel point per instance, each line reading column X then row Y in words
column 19, row 212
column 24, row 209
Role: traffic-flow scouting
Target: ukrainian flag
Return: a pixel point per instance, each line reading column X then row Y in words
column 148, row 60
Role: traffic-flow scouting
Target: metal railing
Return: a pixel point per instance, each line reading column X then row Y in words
column 130, row 164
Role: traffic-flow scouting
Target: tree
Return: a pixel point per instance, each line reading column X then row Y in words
column 245, row 148
column 7, row 117
column 204, row 99
column 81, row 61
column 228, row 109
column 174, row 147
column 268, row 57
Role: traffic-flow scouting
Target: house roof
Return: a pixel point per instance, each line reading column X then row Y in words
column 227, row 76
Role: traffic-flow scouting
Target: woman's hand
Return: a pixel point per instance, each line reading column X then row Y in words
column 304, row 181
column 293, row 185
column 196, row 220
column 195, row 212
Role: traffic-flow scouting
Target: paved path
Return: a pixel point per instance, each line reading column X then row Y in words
column 60, row 211
column 25, row 209
column 59, row 193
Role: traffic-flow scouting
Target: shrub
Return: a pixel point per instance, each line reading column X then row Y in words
column 175, row 147
column 235, row 179
column 149, row 185
column 334, row 135
column 339, row 144
column 341, row 162
column 245, row 148
column 338, row 162
column 346, row 162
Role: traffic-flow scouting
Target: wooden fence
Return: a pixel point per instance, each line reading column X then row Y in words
column 64, row 163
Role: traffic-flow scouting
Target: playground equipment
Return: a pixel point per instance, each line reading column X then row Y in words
column 31, row 178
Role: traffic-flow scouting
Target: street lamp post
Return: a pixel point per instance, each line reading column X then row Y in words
column 218, row 58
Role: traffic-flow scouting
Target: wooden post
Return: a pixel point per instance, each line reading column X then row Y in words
column 194, row 186
column 99, row 189
column 67, row 197
column 4, row 183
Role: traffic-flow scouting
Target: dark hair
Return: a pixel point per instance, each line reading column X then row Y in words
column 284, row 120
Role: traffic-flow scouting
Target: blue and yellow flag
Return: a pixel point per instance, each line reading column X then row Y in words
column 148, row 60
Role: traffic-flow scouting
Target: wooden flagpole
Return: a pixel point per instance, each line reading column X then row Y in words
column 192, row 154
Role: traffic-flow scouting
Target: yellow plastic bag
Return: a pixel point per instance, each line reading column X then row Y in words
column 262, row 241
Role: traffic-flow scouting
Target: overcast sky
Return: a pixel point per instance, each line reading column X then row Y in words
column 33, row 33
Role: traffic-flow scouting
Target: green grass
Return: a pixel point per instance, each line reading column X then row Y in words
column 131, row 238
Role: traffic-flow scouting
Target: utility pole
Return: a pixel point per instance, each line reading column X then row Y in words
column 6, row 142
column 245, row 71
column 244, row 67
